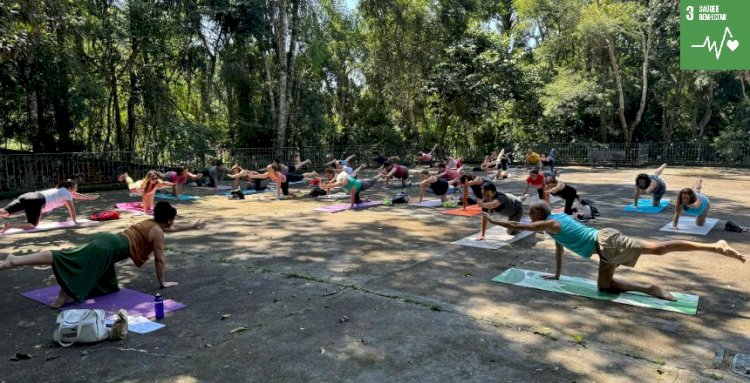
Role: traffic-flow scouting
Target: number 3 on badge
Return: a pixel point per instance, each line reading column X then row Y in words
column 690, row 10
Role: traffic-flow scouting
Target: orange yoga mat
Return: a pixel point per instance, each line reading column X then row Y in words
column 470, row 211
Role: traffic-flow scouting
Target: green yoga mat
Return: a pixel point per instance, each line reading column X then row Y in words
column 686, row 303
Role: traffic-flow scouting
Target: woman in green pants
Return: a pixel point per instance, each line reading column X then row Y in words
column 88, row 270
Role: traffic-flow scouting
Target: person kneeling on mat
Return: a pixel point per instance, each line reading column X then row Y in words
column 614, row 248
column 502, row 203
column 439, row 186
column 88, row 271
column 348, row 184
column 476, row 184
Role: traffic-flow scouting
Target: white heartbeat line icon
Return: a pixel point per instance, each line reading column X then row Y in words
column 731, row 44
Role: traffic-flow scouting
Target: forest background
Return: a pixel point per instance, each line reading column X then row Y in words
column 193, row 75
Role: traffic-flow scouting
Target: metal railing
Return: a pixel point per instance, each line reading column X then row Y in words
column 34, row 171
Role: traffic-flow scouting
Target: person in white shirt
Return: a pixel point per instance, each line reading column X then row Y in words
column 33, row 204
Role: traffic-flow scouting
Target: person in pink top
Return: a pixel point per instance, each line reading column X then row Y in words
column 425, row 158
column 273, row 173
column 449, row 175
column 33, row 204
column 399, row 172
column 179, row 178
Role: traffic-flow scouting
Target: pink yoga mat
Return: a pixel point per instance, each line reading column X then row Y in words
column 347, row 206
column 44, row 226
column 132, row 207
column 137, row 303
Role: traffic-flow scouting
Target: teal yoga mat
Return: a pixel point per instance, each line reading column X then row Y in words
column 183, row 197
column 685, row 304
column 645, row 206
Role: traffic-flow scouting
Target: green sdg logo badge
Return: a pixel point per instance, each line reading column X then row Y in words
column 714, row 34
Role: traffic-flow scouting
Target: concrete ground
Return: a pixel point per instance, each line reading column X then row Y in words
column 381, row 295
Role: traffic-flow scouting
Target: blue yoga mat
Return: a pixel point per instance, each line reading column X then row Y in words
column 183, row 197
column 646, row 206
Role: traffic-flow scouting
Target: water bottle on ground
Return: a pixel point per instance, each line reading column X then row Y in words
column 159, row 306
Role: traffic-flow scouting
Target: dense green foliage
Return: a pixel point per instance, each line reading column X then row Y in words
column 106, row 75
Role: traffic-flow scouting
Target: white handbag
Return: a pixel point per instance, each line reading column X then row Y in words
column 82, row 326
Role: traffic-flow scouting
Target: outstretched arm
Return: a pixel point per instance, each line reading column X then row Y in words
column 84, row 197
column 550, row 226
column 433, row 149
column 197, row 225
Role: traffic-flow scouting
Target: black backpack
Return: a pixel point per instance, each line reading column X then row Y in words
column 400, row 197
column 591, row 205
column 733, row 227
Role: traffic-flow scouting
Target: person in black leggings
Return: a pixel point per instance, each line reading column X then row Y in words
column 439, row 186
column 560, row 189
column 475, row 183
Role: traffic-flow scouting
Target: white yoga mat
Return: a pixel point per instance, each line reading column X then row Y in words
column 335, row 196
column 686, row 225
column 495, row 237
column 51, row 225
column 534, row 198
column 431, row 203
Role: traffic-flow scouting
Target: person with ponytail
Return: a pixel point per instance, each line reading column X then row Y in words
column 146, row 187
column 33, row 204
column 692, row 202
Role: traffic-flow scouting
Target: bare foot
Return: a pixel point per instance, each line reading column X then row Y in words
column 728, row 251
column 122, row 176
column 480, row 238
column 5, row 228
column 659, row 292
column 7, row 263
column 61, row 299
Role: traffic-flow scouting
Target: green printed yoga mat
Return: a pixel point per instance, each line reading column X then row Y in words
column 686, row 303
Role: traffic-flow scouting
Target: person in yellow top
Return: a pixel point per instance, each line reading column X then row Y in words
column 533, row 158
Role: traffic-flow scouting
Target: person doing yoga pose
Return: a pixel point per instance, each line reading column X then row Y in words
column 33, row 204
column 505, row 204
column 650, row 184
column 146, row 187
column 614, row 248
column 88, row 270
column 692, row 202
column 439, row 186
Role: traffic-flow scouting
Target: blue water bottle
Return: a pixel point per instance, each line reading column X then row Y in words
column 159, row 306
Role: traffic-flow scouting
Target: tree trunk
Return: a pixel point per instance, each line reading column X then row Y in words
column 701, row 126
column 283, row 68
column 32, row 108
column 292, row 58
column 132, row 100
column 119, row 134
column 644, row 79
column 620, row 94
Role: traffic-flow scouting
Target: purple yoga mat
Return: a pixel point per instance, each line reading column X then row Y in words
column 346, row 206
column 132, row 207
column 51, row 225
column 135, row 302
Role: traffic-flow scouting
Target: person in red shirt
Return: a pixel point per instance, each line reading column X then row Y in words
column 447, row 174
column 536, row 181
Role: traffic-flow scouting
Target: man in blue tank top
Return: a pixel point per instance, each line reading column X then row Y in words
column 614, row 248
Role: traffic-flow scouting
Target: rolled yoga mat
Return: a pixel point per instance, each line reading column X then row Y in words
column 685, row 304
column 135, row 302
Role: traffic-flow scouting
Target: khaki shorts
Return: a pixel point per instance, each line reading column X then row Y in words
column 617, row 249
